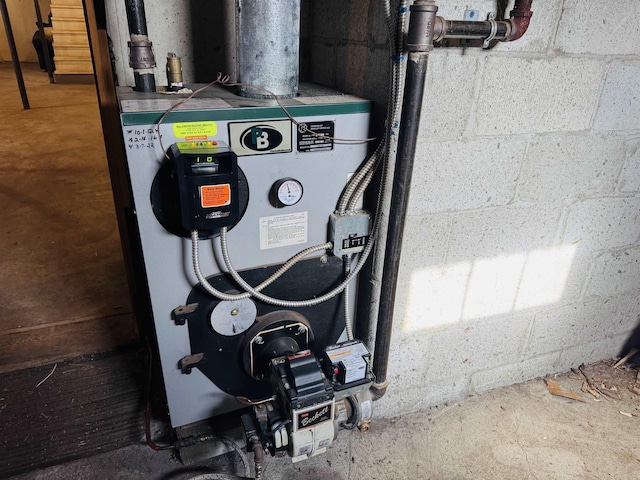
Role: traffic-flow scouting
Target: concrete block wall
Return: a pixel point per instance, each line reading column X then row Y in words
column 521, row 254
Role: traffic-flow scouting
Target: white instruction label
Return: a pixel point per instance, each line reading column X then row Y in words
column 351, row 357
column 283, row 230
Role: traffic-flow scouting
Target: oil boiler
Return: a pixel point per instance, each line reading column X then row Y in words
column 232, row 183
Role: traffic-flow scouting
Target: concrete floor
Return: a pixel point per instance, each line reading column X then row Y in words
column 518, row 432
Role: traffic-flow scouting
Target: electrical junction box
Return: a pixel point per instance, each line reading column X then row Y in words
column 349, row 232
column 269, row 150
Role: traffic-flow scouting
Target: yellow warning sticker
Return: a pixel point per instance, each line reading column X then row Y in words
column 215, row 195
column 195, row 130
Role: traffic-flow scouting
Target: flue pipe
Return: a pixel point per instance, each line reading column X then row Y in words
column 268, row 47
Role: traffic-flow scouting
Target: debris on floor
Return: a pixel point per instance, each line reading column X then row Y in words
column 554, row 389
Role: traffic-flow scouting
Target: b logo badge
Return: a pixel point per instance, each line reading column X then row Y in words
column 261, row 138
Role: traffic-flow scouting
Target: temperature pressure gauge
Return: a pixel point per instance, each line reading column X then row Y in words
column 286, row 192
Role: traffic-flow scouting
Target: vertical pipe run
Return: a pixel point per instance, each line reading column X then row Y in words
column 141, row 57
column 14, row 54
column 268, row 45
column 419, row 44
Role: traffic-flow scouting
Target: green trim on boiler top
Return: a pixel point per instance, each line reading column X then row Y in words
column 245, row 113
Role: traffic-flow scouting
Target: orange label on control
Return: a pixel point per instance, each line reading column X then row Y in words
column 215, row 195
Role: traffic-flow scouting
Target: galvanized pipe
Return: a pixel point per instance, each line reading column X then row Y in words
column 268, row 47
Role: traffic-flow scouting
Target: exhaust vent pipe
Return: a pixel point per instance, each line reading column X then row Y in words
column 268, row 47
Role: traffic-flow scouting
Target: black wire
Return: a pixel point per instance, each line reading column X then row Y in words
column 355, row 415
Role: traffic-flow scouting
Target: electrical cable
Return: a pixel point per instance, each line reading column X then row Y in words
column 195, row 257
column 289, row 303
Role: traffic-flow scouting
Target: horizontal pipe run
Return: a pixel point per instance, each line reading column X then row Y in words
column 469, row 29
column 502, row 30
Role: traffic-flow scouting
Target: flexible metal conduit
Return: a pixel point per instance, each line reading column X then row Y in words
column 423, row 27
column 141, row 57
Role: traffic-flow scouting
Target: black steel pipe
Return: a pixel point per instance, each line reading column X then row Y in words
column 424, row 27
column 141, row 57
column 136, row 17
column 14, row 54
column 420, row 43
column 469, row 29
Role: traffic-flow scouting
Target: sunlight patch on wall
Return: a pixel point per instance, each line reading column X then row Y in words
column 447, row 294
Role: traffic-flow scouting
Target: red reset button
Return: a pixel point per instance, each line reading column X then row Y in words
column 215, row 195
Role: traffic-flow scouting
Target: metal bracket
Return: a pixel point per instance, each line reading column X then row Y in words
column 187, row 363
column 494, row 30
column 184, row 312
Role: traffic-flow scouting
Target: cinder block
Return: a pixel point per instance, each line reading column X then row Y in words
column 351, row 68
column 400, row 400
column 630, row 177
column 376, row 77
column 558, row 167
column 562, row 274
column 515, row 373
column 628, row 310
column 467, row 347
column 325, row 72
column 424, row 245
column 573, row 325
column 620, row 102
column 603, row 223
column 331, row 19
column 436, row 298
column 499, row 232
column 601, row 28
column 521, row 95
column 408, row 360
column 615, row 273
column 425, row 240
column 448, row 95
column 465, row 175
column 593, row 351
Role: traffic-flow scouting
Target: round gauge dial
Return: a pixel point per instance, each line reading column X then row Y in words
column 286, row 192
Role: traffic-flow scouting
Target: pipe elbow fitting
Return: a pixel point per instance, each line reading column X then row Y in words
column 520, row 18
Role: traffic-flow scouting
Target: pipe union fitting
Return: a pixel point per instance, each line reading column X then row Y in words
column 141, row 55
